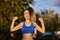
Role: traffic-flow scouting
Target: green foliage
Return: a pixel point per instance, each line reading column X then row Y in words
column 51, row 20
column 9, row 9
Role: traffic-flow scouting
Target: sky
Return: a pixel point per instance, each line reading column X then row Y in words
column 38, row 5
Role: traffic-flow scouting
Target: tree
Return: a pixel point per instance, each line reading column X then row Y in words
column 51, row 20
column 9, row 9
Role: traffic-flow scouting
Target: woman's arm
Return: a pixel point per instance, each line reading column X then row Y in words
column 40, row 29
column 16, row 27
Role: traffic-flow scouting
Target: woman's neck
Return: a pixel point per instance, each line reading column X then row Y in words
column 28, row 21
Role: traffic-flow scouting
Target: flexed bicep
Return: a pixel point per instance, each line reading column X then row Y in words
column 39, row 28
column 19, row 26
column 14, row 28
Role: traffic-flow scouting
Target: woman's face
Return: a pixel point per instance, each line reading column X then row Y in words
column 26, row 14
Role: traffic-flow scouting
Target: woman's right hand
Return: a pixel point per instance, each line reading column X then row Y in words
column 15, row 18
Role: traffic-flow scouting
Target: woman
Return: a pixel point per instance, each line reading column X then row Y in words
column 28, row 25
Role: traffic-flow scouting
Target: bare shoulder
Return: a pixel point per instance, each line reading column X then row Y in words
column 20, row 24
column 34, row 23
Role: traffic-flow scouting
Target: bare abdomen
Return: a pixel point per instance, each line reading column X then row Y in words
column 27, row 37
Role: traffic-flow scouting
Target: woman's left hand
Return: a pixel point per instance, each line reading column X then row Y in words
column 40, row 19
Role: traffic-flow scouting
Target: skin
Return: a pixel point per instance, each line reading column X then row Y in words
column 28, row 23
column 35, row 33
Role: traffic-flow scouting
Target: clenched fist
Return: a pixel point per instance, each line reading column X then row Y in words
column 15, row 18
column 40, row 19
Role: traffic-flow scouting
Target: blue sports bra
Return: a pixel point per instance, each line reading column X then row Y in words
column 27, row 29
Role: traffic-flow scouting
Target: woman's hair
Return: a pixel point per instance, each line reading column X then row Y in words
column 32, row 14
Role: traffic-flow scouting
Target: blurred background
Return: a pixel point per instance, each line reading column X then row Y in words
column 49, row 10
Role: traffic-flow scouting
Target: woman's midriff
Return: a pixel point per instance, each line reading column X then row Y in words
column 27, row 37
